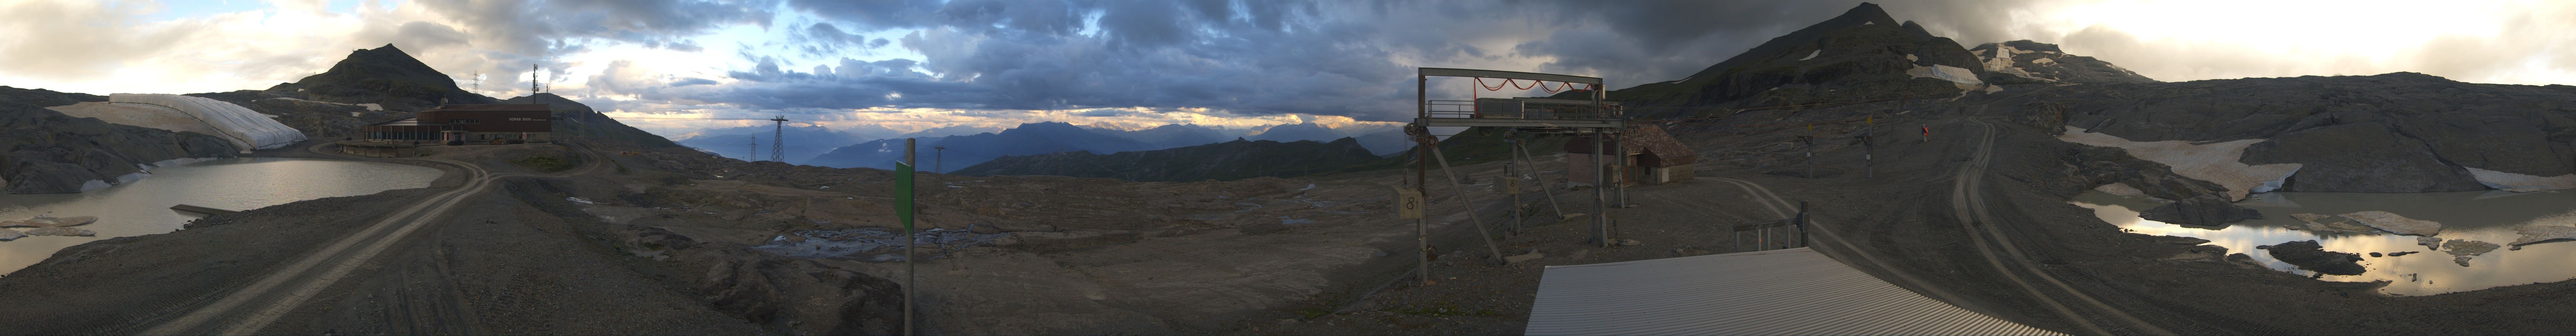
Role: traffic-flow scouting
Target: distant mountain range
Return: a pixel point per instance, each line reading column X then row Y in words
column 803, row 142
column 965, row 150
column 1232, row 160
column 1379, row 139
column 1169, row 135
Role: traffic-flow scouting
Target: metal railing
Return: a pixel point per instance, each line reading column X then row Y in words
column 1776, row 234
column 1513, row 109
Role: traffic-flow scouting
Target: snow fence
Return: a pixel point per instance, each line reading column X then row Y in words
column 250, row 130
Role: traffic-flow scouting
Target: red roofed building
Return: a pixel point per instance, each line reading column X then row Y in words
column 1647, row 155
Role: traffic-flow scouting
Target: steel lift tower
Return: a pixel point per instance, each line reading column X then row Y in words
column 1436, row 119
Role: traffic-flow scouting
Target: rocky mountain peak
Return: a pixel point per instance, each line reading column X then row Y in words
column 2032, row 62
column 1860, row 55
column 384, row 75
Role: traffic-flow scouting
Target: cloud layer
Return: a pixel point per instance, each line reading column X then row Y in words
column 1219, row 62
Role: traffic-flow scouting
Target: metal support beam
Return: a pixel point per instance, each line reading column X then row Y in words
column 1600, row 192
column 1468, row 205
column 1523, row 148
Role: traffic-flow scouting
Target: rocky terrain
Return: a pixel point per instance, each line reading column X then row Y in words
column 1861, row 55
column 1225, row 161
column 2398, row 132
column 2030, row 60
column 49, row 152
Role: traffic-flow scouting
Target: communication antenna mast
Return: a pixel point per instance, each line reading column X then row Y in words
column 532, row 78
column 778, row 141
column 478, row 81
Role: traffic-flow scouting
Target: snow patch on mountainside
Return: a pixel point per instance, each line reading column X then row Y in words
column 2213, row 162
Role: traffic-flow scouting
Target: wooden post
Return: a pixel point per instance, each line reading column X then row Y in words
column 903, row 209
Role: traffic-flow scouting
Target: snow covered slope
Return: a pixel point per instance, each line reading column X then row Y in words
column 245, row 128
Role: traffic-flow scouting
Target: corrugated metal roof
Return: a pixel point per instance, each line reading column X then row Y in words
column 406, row 122
column 1779, row 292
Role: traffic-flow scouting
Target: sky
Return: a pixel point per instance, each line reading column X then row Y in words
column 910, row 65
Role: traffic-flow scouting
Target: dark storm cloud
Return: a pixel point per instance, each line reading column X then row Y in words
column 1249, row 57
column 1281, row 57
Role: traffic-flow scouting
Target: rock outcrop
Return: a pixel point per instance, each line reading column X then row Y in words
column 2045, row 62
column 43, row 97
column 1862, row 54
column 2542, row 233
column 2204, row 210
column 2308, row 255
column 2361, row 157
column 44, row 151
column 2119, row 173
column 2462, row 250
column 2396, row 132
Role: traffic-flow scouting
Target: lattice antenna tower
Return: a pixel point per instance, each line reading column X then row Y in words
column 532, row 77
column 778, row 141
column 478, row 82
column 754, row 154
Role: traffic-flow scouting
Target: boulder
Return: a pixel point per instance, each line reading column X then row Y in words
column 795, row 295
column 2307, row 255
column 2435, row 243
column 2391, row 222
column 2202, row 210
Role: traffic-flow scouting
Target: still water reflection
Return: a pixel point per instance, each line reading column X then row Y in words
column 2488, row 216
column 142, row 207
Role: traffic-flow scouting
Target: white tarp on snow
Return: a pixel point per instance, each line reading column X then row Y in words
column 248, row 129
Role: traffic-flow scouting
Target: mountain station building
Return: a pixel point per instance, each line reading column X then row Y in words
column 468, row 123
column 471, row 123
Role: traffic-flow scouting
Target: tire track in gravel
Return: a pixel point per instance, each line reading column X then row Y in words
column 253, row 307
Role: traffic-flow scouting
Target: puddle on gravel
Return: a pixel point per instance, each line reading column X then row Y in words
column 2488, row 216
